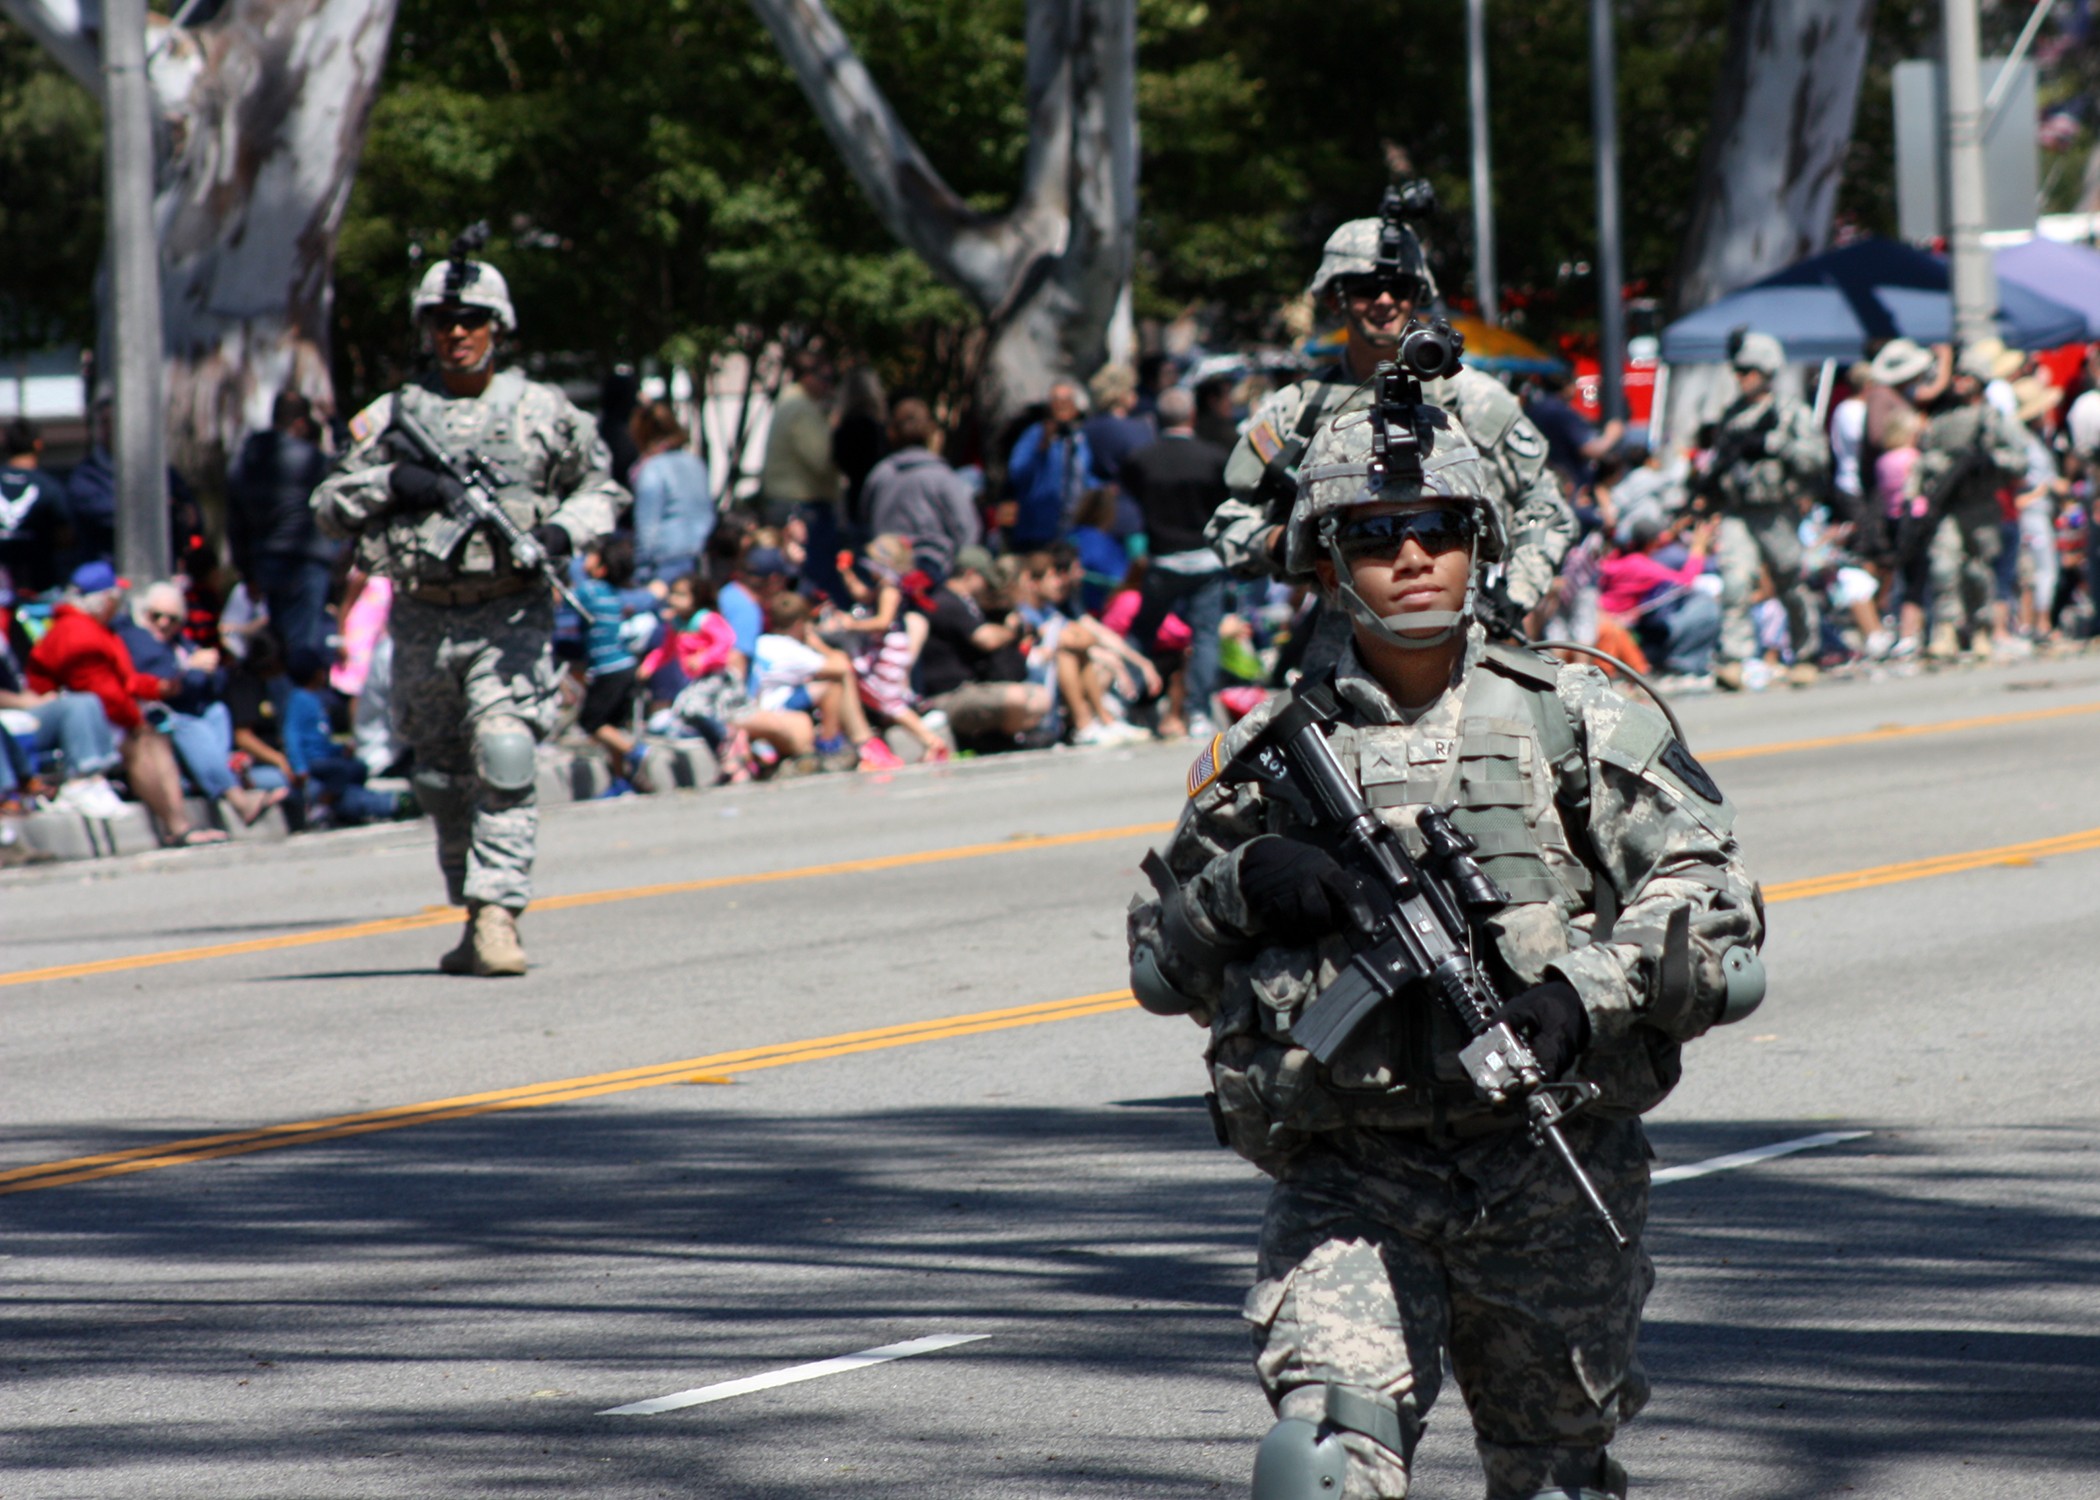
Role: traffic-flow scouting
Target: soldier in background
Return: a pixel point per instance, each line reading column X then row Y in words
column 1412, row 1219
column 1969, row 452
column 1248, row 530
column 474, row 677
column 1768, row 456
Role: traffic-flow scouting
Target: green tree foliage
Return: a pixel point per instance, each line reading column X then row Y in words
column 50, row 201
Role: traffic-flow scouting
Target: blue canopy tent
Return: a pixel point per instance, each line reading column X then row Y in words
column 2069, row 274
column 1832, row 306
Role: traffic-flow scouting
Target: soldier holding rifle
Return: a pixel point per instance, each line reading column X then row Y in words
column 470, row 488
column 1448, row 911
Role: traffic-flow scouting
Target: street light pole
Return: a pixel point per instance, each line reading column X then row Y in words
column 1483, row 181
column 140, row 438
column 1611, row 304
column 1974, row 293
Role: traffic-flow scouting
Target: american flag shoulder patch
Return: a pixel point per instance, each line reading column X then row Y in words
column 1262, row 438
column 1209, row 766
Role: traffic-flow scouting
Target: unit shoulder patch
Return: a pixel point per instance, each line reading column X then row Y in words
column 1681, row 763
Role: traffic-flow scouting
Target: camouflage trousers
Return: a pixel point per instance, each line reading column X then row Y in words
column 459, row 669
column 1380, row 1253
column 1965, row 549
column 1763, row 539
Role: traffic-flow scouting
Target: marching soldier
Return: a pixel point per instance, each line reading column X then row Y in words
column 1377, row 293
column 474, row 676
column 1412, row 1218
column 1768, row 455
column 1969, row 452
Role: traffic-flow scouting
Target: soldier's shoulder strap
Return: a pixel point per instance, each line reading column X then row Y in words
column 1561, row 742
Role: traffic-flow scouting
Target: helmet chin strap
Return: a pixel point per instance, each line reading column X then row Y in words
column 1443, row 625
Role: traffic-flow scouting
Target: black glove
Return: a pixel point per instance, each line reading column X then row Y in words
column 418, row 488
column 1294, row 890
column 555, row 539
column 1550, row 1017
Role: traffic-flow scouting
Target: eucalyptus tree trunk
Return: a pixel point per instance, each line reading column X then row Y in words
column 262, row 114
column 1782, row 120
column 1048, row 274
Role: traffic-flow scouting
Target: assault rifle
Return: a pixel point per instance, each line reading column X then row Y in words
column 1416, row 932
column 479, row 479
column 1730, row 448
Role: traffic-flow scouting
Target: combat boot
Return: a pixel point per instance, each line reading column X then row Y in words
column 461, row 959
column 1728, row 677
column 1944, row 643
column 497, row 951
column 1802, row 674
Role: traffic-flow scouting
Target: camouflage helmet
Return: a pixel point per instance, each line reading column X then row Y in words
column 1336, row 477
column 1757, row 351
column 1352, row 250
column 465, row 283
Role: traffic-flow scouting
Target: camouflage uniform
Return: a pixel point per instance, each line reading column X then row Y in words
column 1966, row 540
column 1409, row 1218
column 1760, row 505
column 473, row 635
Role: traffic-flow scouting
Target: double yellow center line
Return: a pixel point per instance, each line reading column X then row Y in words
column 716, row 1067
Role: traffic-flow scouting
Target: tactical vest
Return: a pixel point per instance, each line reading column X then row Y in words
column 1517, row 781
column 436, row 546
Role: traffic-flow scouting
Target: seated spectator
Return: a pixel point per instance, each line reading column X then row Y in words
column 1104, row 559
column 258, row 696
column 74, row 726
column 914, row 493
column 191, row 710
column 794, row 669
column 761, row 575
column 884, row 640
column 611, row 662
column 331, row 780
column 1656, row 597
column 1061, row 651
column 80, row 653
column 674, row 508
column 973, row 670
column 34, row 531
column 715, row 701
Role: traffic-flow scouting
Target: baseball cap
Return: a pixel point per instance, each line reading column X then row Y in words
column 972, row 560
column 95, row 578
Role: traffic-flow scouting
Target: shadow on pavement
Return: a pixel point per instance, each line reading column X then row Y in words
column 1890, row 1304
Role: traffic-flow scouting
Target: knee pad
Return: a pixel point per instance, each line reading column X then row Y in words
column 1294, row 1462
column 505, row 755
column 1300, row 1460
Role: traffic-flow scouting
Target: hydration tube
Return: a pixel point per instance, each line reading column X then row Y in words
column 1654, row 692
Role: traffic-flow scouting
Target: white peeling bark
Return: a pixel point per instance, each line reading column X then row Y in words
column 262, row 119
column 1048, row 273
column 1782, row 120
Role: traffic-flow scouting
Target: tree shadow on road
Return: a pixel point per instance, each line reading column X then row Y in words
column 1885, row 1302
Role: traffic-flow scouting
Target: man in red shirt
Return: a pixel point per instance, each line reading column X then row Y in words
column 79, row 653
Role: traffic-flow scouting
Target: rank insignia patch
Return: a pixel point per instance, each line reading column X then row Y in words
column 1209, row 766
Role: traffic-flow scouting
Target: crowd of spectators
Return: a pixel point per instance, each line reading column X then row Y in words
column 871, row 602
column 1643, row 583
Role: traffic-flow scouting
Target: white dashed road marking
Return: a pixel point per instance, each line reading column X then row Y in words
column 791, row 1375
column 1753, row 1156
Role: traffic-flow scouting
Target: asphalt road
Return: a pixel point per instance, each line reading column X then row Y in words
column 330, row 1225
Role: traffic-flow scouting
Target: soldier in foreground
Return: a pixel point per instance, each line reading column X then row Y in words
column 1373, row 275
column 1768, row 455
column 1413, row 1215
column 473, row 616
column 1968, row 453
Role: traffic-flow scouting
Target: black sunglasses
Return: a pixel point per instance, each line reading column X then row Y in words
column 1403, row 288
column 469, row 318
column 1434, row 531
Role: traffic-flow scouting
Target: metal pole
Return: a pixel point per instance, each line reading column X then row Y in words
column 1974, row 293
column 1483, row 181
column 1611, row 305
column 140, row 440
column 2002, row 86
